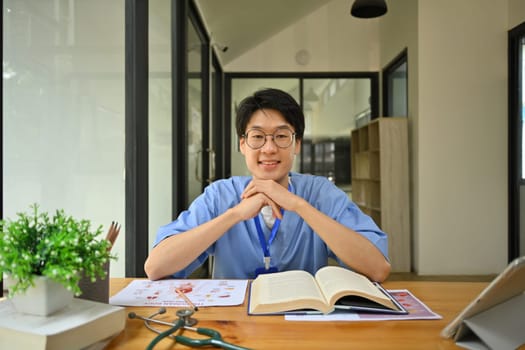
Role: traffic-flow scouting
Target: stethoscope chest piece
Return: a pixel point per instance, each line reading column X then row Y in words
column 186, row 314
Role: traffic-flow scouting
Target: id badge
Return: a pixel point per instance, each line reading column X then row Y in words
column 263, row 270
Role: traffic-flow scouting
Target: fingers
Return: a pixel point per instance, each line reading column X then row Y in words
column 248, row 191
column 276, row 210
column 252, row 205
column 261, row 186
column 275, row 195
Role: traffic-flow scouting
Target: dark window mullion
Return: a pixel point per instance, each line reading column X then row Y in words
column 205, row 105
column 179, row 30
column 514, row 140
column 136, row 129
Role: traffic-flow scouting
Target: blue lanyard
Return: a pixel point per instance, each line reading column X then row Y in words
column 264, row 245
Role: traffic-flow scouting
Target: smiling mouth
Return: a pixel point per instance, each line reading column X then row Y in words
column 269, row 162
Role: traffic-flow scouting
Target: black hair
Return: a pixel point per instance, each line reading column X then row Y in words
column 270, row 99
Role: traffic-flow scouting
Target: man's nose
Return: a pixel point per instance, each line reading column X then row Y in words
column 269, row 144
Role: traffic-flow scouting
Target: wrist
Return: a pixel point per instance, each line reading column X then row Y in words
column 301, row 206
column 233, row 215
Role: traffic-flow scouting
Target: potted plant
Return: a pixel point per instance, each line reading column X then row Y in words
column 37, row 249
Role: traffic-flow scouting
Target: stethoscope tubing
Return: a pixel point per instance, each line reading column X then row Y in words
column 174, row 327
column 150, row 318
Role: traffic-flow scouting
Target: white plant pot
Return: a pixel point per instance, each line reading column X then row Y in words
column 44, row 299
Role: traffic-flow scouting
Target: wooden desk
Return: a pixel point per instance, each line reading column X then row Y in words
column 273, row 332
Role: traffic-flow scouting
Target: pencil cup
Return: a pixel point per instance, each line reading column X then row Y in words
column 95, row 291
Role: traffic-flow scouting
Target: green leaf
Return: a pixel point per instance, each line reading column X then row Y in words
column 60, row 247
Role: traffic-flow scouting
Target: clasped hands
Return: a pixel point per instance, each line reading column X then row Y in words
column 261, row 193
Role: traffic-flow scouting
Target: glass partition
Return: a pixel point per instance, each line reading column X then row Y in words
column 332, row 110
column 63, row 110
column 159, row 114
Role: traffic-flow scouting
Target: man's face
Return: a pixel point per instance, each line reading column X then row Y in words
column 269, row 162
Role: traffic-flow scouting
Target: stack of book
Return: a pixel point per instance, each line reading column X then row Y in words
column 83, row 324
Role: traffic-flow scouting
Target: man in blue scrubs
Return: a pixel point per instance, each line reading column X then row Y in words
column 274, row 220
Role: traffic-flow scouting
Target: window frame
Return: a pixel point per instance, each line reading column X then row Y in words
column 515, row 180
column 301, row 76
column 387, row 72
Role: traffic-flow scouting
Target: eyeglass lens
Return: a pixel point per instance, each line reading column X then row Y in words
column 282, row 138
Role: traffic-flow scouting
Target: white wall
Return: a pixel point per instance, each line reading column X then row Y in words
column 462, row 143
column 333, row 42
column 457, row 117
column 457, row 62
column 516, row 13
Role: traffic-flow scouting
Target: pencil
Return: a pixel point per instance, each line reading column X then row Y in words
column 185, row 297
column 112, row 234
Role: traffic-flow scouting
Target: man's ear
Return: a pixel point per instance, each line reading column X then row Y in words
column 242, row 145
column 298, row 144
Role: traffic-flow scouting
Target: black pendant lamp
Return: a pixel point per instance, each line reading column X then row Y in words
column 368, row 8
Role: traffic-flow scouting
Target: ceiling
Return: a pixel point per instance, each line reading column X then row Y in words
column 243, row 24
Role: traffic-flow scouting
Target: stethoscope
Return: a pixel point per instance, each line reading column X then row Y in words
column 184, row 314
column 184, row 321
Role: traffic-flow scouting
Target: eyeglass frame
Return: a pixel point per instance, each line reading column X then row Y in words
column 266, row 135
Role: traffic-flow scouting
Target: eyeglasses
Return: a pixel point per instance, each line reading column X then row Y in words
column 256, row 138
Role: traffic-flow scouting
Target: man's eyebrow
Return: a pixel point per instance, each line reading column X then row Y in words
column 284, row 126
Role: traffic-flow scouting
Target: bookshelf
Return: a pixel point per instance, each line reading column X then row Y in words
column 380, row 182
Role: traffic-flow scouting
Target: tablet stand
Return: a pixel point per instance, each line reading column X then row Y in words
column 499, row 327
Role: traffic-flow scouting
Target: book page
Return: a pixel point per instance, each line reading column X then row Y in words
column 417, row 310
column 336, row 282
column 284, row 291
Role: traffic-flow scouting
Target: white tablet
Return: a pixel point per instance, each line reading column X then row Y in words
column 508, row 284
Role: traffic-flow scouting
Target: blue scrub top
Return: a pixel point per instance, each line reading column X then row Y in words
column 238, row 253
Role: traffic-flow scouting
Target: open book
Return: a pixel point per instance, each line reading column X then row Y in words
column 332, row 287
